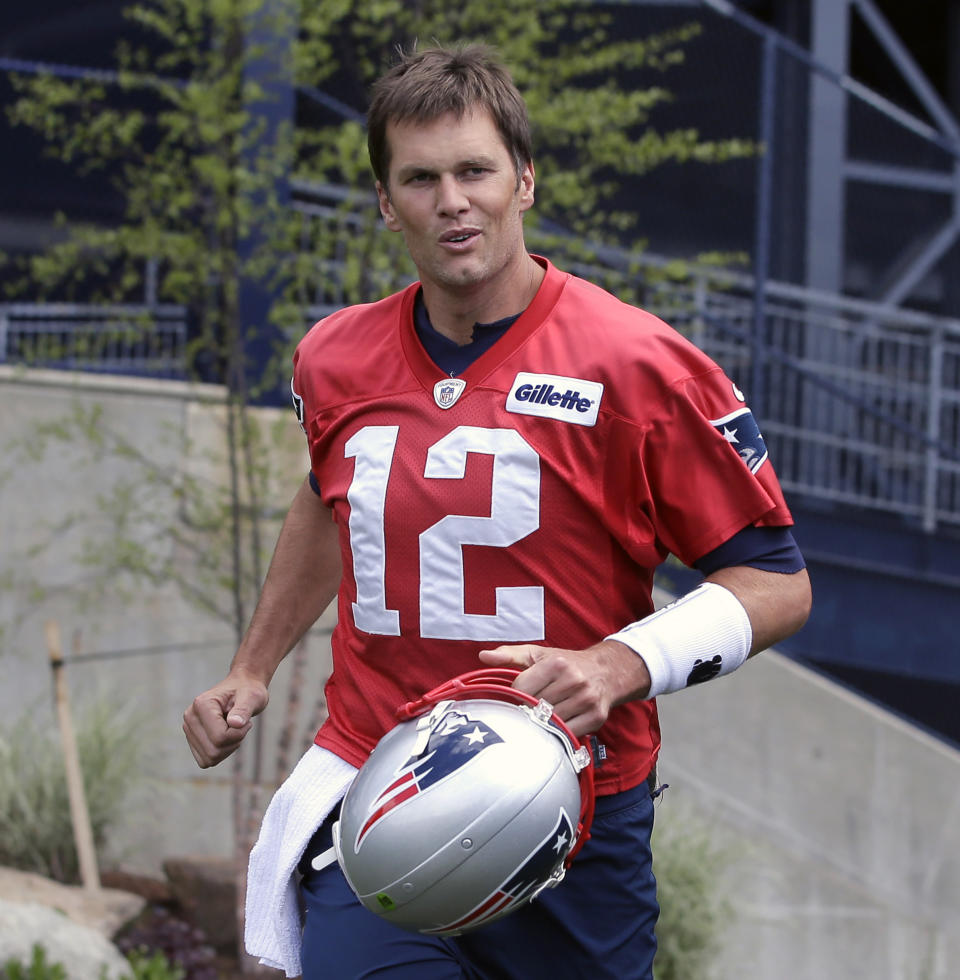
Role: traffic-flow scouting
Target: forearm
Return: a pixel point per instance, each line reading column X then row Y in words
column 776, row 604
column 302, row 580
column 710, row 632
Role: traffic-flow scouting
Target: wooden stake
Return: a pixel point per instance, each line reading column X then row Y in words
column 79, row 814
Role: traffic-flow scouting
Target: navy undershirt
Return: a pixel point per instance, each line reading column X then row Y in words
column 449, row 356
column 771, row 549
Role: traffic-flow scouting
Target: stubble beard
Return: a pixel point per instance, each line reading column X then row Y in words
column 483, row 269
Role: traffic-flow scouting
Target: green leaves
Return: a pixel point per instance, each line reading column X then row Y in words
column 37, row 969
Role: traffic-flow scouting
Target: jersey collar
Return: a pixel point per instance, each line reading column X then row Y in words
column 428, row 374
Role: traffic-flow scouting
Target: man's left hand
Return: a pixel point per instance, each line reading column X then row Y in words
column 582, row 685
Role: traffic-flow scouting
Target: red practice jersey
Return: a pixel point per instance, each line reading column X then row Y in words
column 529, row 500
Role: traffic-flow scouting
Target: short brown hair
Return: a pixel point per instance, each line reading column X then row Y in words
column 428, row 84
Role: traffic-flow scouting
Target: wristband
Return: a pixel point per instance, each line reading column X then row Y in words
column 703, row 634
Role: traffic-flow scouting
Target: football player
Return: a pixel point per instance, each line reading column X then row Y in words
column 501, row 455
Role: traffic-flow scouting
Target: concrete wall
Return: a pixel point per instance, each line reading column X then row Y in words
column 842, row 825
column 839, row 823
column 57, row 505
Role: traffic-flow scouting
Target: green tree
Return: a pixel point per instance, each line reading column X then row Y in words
column 179, row 131
column 592, row 93
column 599, row 102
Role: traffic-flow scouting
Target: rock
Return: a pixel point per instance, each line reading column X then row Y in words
column 107, row 910
column 206, row 890
column 154, row 891
column 84, row 953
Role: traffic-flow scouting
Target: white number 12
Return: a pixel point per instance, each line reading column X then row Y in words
column 514, row 513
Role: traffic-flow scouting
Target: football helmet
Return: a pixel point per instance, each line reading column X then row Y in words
column 477, row 800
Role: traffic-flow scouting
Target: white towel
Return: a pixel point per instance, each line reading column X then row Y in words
column 273, row 928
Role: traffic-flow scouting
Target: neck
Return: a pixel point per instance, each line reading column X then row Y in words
column 453, row 312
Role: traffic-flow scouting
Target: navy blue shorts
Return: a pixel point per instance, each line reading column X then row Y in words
column 598, row 923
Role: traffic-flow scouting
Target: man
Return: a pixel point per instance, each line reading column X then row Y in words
column 501, row 456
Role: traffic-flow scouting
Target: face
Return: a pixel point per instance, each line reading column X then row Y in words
column 454, row 195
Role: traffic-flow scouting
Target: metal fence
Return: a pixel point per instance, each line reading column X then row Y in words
column 859, row 402
column 148, row 340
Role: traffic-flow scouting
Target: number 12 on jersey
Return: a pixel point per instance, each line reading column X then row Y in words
column 514, row 513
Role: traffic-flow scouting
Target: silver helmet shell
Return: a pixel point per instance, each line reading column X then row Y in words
column 464, row 814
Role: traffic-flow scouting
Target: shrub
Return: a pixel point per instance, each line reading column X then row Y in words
column 156, row 966
column 688, row 864
column 160, row 936
column 37, row 969
column 36, row 833
column 142, row 967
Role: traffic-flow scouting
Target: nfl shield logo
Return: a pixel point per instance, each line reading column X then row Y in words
column 446, row 392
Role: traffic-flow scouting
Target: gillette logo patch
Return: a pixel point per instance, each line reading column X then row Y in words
column 553, row 397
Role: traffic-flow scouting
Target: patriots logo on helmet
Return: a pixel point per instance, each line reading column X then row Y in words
column 526, row 881
column 452, row 744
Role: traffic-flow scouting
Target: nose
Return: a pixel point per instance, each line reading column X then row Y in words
column 451, row 199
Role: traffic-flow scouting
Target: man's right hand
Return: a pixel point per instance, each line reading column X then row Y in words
column 217, row 720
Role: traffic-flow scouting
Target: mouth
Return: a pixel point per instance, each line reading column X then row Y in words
column 459, row 236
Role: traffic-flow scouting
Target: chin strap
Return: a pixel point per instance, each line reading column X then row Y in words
column 497, row 683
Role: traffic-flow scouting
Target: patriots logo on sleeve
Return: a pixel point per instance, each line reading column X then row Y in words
column 740, row 429
column 456, row 741
column 548, row 856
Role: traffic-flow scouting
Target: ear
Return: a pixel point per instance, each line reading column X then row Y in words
column 386, row 208
column 526, row 188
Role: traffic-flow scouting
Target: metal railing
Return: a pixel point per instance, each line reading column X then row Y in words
column 147, row 340
column 859, row 402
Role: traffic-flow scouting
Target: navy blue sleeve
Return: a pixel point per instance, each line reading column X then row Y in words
column 772, row 549
column 314, row 485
